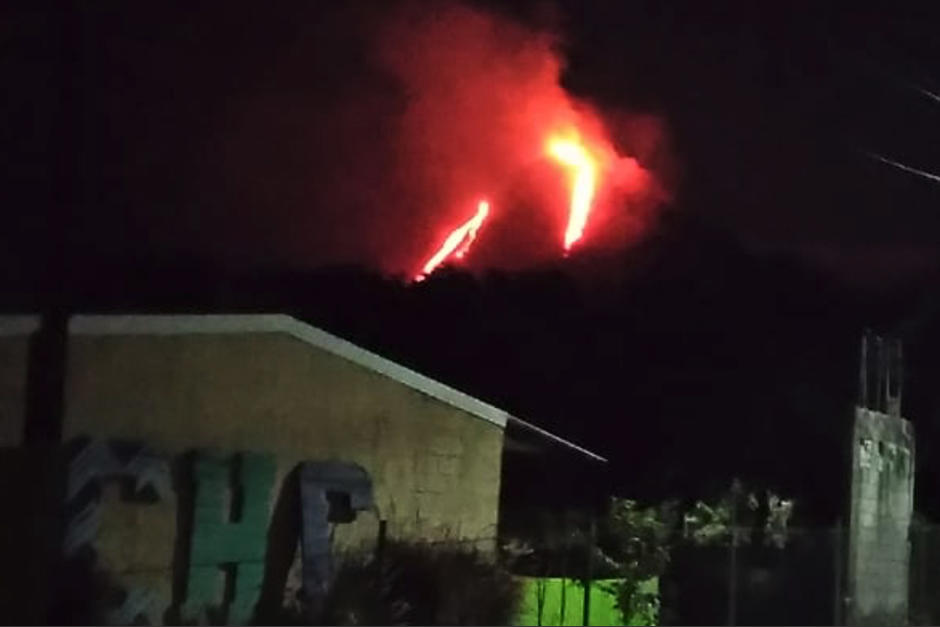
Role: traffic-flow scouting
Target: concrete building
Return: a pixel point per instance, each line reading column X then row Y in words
column 185, row 443
column 882, row 492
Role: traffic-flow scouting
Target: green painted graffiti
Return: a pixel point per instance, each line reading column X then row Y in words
column 231, row 508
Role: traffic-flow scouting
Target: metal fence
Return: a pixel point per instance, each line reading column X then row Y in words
column 750, row 577
column 799, row 581
column 754, row 576
column 794, row 580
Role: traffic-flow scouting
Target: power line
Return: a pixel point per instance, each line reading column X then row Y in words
column 922, row 173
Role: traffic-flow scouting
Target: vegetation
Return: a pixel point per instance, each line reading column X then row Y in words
column 637, row 539
column 422, row 585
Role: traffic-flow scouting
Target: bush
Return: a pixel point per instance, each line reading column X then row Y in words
column 423, row 585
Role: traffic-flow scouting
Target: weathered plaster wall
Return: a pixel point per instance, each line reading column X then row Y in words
column 881, row 508
column 434, row 469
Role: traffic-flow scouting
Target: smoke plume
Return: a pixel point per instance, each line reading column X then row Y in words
column 405, row 126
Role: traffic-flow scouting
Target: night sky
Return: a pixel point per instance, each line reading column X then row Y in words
column 767, row 113
column 770, row 108
column 145, row 145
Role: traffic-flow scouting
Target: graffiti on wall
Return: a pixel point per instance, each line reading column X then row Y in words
column 230, row 515
column 327, row 487
column 92, row 463
column 229, row 499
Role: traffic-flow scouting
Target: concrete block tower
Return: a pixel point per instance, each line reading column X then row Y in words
column 882, row 491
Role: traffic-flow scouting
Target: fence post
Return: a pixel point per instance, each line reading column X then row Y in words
column 837, row 595
column 921, row 557
column 564, row 567
column 733, row 558
column 733, row 575
column 541, row 588
column 380, row 544
column 589, row 575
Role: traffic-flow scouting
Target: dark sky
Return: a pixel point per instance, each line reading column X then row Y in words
column 769, row 108
column 201, row 131
column 148, row 146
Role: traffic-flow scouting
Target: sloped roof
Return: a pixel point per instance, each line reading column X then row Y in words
column 172, row 324
column 280, row 323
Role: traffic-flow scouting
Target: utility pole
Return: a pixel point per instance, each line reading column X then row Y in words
column 733, row 558
column 47, row 359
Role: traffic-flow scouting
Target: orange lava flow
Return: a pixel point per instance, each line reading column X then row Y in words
column 458, row 242
column 575, row 156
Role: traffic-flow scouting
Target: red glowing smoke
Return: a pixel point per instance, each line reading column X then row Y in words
column 485, row 114
column 388, row 127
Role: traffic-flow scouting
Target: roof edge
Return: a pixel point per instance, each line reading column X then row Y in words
column 170, row 324
column 551, row 436
column 173, row 324
column 19, row 324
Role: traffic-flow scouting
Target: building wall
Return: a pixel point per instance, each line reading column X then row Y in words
column 435, row 469
column 881, row 508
